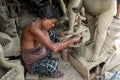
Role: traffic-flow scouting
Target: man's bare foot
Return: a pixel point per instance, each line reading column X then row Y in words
column 116, row 17
column 57, row 74
column 93, row 58
column 88, row 42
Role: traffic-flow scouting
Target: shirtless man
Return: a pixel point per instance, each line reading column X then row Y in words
column 35, row 42
column 117, row 16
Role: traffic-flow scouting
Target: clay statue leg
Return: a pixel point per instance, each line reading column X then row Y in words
column 64, row 10
column 91, row 25
column 103, row 22
column 71, row 14
column 63, row 6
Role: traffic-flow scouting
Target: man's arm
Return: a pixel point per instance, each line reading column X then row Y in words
column 40, row 37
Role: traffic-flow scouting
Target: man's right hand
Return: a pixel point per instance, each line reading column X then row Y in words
column 77, row 37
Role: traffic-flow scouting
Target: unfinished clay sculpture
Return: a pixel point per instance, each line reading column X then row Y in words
column 99, row 15
column 9, row 70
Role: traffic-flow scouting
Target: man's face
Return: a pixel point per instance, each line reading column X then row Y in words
column 49, row 23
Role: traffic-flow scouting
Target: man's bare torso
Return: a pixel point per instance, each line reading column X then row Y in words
column 28, row 40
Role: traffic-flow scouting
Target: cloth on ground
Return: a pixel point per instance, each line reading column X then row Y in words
column 111, row 69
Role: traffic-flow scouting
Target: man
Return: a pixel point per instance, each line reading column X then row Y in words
column 117, row 16
column 35, row 42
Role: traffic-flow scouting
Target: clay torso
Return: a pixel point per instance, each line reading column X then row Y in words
column 97, row 6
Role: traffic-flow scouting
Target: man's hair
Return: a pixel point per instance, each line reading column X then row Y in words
column 48, row 11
